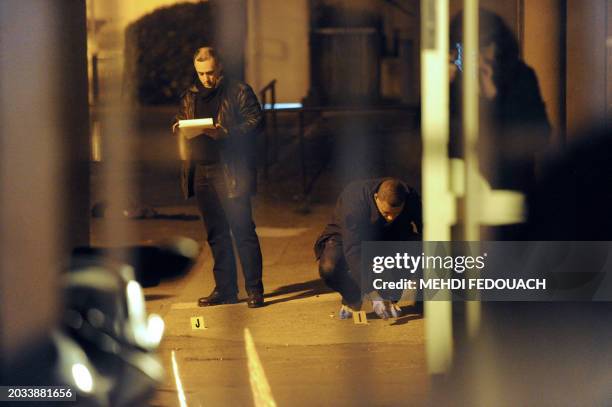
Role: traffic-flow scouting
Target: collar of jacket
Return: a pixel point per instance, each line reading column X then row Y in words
column 374, row 213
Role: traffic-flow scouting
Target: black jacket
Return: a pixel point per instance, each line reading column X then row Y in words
column 240, row 113
column 356, row 219
column 514, row 127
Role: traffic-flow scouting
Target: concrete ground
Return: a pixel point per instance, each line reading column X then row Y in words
column 295, row 351
column 309, row 356
column 306, row 355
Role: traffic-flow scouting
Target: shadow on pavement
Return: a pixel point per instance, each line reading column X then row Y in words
column 305, row 289
column 178, row 216
column 406, row 318
column 408, row 314
column 153, row 297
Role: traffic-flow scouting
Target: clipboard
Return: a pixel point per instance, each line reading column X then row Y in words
column 189, row 129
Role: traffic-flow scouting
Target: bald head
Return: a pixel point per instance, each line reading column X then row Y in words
column 204, row 54
column 390, row 198
column 393, row 192
column 208, row 66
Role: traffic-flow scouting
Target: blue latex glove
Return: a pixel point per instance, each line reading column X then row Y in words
column 345, row 312
column 385, row 309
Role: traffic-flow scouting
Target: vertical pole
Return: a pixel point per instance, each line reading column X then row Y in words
column 117, row 187
column 471, row 224
column 95, row 85
column 30, row 180
column 302, row 150
column 274, row 124
column 438, row 206
column 562, row 78
column 44, row 164
column 266, row 134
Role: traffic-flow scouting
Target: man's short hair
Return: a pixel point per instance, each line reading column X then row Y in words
column 205, row 53
column 393, row 192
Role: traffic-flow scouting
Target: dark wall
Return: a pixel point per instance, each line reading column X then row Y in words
column 346, row 46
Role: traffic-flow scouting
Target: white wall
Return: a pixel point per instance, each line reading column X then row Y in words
column 136, row 9
column 277, row 47
column 131, row 10
column 114, row 16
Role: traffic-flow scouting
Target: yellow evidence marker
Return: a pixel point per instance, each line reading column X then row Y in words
column 359, row 317
column 197, row 323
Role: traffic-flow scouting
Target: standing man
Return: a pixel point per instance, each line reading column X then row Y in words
column 371, row 210
column 220, row 170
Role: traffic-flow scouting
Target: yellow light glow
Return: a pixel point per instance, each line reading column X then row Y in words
column 438, row 202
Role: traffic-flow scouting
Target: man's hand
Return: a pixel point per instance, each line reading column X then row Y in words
column 218, row 133
column 385, row 309
column 487, row 85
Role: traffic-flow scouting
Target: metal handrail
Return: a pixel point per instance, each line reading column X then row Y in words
column 270, row 89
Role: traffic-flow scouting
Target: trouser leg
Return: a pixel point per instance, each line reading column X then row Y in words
column 335, row 272
column 217, row 228
column 243, row 228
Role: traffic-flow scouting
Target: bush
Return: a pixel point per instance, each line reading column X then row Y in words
column 159, row 50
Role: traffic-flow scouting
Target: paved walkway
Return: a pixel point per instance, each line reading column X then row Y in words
column 308, row 356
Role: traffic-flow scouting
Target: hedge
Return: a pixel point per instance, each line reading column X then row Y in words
column 159, row 50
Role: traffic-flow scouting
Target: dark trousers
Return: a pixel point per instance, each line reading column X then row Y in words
column 335, row 271
column 221, row 216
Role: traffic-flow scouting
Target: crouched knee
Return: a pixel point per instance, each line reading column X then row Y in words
column 327, row 269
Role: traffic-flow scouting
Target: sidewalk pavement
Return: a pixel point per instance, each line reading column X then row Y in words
column 308, row 356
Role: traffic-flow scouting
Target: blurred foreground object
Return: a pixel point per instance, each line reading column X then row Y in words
column 104, row 350
column 548, row 354
column 171, row 258
column 105, row 314
column 573, row 199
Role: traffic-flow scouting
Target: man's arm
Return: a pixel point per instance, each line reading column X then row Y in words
column 415, row 209
column 353, row 218
column 250, row 110
column 182, row 113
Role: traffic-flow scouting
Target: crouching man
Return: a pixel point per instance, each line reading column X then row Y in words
column 372, row 210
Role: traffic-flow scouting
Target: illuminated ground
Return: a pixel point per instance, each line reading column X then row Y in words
column 309, row 357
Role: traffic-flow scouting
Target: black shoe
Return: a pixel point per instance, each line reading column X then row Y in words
column 216, row 298
column 255, row 301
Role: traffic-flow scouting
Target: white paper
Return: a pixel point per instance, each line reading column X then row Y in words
column 193, row 128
